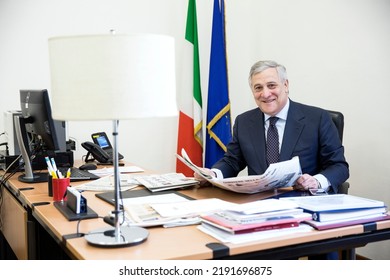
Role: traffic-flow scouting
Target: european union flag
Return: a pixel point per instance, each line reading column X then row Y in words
column 219, row 132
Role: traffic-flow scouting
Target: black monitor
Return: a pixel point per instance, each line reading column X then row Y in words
column 38, row 132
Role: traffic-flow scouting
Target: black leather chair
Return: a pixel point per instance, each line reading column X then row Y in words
column 338, row 119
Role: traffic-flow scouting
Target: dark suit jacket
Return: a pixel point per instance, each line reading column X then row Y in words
column 309, row 133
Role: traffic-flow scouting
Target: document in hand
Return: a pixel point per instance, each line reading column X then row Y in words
column 277, row 175
column 338, row 206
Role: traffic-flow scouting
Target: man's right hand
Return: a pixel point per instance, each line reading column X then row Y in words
column 202, row 181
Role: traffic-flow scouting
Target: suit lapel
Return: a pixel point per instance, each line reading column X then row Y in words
column 292, row 131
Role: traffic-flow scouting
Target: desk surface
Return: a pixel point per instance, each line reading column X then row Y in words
column 163, row 243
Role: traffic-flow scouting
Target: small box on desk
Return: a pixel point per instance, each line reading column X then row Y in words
column 76, row 202
column 75, row 208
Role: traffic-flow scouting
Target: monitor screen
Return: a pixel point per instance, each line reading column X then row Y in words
column 43, row 130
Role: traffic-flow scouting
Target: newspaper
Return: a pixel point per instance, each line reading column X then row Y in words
column 277, row 175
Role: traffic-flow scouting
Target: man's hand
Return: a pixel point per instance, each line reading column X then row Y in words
column 306, row 182
column 202, row 181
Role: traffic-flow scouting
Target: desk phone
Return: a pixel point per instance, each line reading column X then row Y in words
column 101, row 148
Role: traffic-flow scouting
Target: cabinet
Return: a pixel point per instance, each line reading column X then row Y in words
column 14, row 224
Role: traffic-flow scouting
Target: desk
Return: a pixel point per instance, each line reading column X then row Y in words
column 183, row 242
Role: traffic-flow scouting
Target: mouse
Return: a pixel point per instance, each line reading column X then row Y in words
column 88, row 166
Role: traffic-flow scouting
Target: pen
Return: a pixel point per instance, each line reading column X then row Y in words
column 53, row 163
column 68, row 173
column 49, row 166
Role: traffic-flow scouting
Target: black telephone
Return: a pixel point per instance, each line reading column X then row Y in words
column 101, row 149
column 97, row 153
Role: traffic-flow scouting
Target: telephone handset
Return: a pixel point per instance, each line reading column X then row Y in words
column 97, row 152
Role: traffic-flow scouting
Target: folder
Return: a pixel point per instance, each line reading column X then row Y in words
column 332, row 215
column 348, row 222
column 220, row 221
column 334, row 202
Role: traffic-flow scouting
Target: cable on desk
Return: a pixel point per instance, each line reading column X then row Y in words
column 4, row 178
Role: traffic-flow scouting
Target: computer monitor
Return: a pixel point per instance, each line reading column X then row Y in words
column 37, row 132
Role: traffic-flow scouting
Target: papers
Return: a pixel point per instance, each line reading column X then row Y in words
column 110, row 170
column 263, row 206
column 258, row 220
column 138, row 210
column 107, row 184
column 192, row 207
column 333, row 202
column 187, row 161
column 168, row 210
column 281, row 174
column 226, row 237
column 162, row 182
column 259, row 215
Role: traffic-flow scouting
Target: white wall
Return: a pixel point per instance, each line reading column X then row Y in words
column 336, row 53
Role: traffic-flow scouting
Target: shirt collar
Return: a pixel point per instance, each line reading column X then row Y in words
column 282, row 114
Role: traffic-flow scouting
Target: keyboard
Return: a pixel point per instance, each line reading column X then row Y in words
column 78, row 174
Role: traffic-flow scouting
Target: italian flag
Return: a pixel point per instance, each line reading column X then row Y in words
column 190, row 136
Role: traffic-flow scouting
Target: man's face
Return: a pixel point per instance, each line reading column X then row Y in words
column 269, row 92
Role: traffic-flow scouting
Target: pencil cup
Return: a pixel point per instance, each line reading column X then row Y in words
column 59, row 188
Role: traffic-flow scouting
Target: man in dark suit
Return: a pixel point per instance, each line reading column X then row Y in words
column 304, row 131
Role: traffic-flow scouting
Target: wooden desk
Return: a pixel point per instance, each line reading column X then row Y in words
column 186, row 242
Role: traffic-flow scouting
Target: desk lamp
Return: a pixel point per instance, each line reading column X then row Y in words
column 113, row 77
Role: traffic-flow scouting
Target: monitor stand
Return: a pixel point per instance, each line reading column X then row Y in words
column 21, row 135
column 35, row 178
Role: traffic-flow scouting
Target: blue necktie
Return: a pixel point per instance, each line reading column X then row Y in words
column 272, row 141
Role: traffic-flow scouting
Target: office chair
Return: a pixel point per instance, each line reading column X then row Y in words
column 338, row 120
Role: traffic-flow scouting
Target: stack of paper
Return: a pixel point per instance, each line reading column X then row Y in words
column 106, row 183
column 162, row 182
column 169, row 209
column 340, row 210
column 257, row 216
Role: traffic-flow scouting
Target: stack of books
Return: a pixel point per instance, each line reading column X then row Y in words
column 332, row 211
column 262, row 215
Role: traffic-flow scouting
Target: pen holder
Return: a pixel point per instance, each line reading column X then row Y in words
column 59, row 188
column 50, row 185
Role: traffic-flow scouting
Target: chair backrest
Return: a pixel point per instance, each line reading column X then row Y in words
column 338, row 119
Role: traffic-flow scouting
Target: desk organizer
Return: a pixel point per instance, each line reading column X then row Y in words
column 72, row 216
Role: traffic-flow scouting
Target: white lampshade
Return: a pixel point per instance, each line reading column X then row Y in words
column 112, row 77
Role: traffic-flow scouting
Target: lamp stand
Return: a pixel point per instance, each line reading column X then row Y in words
column 117, row 236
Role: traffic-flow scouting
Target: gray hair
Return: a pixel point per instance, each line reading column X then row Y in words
column 260, row 66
